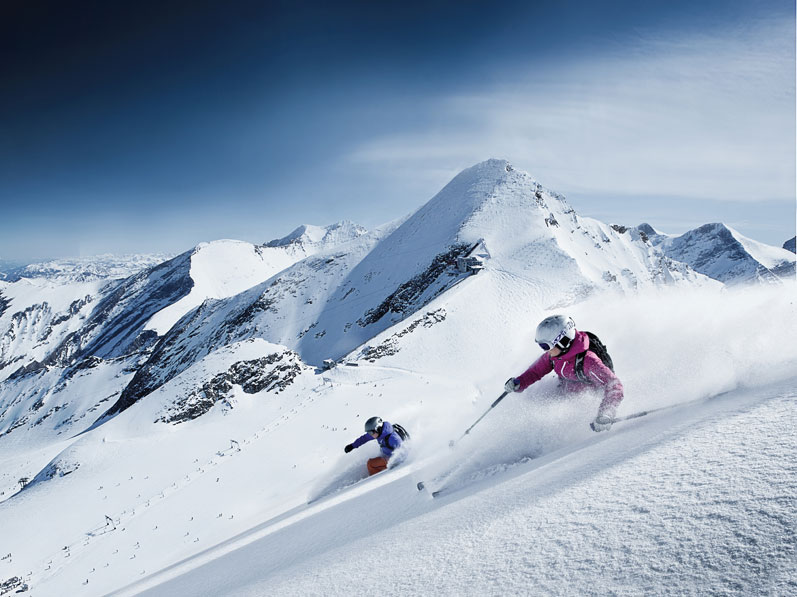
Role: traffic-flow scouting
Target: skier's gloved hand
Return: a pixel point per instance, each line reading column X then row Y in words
column 348, row 448
column 512, row 385
column 602, row 423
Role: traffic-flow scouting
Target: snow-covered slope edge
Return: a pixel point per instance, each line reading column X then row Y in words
column 225, row 268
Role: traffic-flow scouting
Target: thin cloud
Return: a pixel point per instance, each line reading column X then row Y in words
column 704, row 116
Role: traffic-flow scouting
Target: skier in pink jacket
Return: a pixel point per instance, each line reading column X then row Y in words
column 567, row 352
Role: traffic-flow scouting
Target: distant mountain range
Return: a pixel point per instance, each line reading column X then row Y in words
column 82, row 269
column 722, row 253
column 324, row 292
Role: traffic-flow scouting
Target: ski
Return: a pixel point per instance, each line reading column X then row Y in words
column 643, row 413
column 440, row 479
column 422, row 486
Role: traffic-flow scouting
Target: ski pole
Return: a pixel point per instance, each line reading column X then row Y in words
column 634, row 416
column 642, row 413
column 467, row 431
column 421, row 484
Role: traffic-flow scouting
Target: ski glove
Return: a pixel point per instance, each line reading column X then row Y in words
column 348, row 448
column 512, row 385
column 601, row 423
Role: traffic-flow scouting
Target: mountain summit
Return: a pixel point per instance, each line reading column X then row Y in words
column 329, row 236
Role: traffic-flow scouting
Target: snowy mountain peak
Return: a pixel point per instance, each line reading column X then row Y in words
column 471, row 189
column 647, row 230
column 791, row 244
column 332, row 235
column 483, row 198
column 722, row 253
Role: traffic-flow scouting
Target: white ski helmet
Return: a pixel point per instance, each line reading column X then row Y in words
column 556, row 330
column 373, row 424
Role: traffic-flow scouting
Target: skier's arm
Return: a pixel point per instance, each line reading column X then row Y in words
column 539, row 369
column 600, row 374
column 365, row 437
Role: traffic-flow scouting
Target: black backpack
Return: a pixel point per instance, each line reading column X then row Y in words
column 402, row 433
column 597, row 347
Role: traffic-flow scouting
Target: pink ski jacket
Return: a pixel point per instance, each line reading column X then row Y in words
column 598, row 374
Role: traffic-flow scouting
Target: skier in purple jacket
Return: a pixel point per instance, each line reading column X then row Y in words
column 562, row 343
column 389, row 442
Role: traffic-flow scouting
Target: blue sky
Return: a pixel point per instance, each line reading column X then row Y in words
column 152, row 126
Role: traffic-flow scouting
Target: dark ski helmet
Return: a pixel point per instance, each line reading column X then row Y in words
column 556, row 330
column 373, row 424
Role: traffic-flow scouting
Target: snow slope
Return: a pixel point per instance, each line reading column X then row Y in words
column 38, row 314
column 222, row 429
column 226, row 268
column 666, row 506
column 172, row 492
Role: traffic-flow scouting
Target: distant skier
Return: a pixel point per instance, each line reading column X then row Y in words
column 570, row 354
column 389, row 441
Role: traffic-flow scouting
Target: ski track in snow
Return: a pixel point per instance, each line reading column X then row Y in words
column 653, row 508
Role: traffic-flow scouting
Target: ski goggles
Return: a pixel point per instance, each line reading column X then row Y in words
column 561, row 341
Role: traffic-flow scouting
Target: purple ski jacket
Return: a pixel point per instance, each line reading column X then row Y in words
column 388, row 440
column 565, row 367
